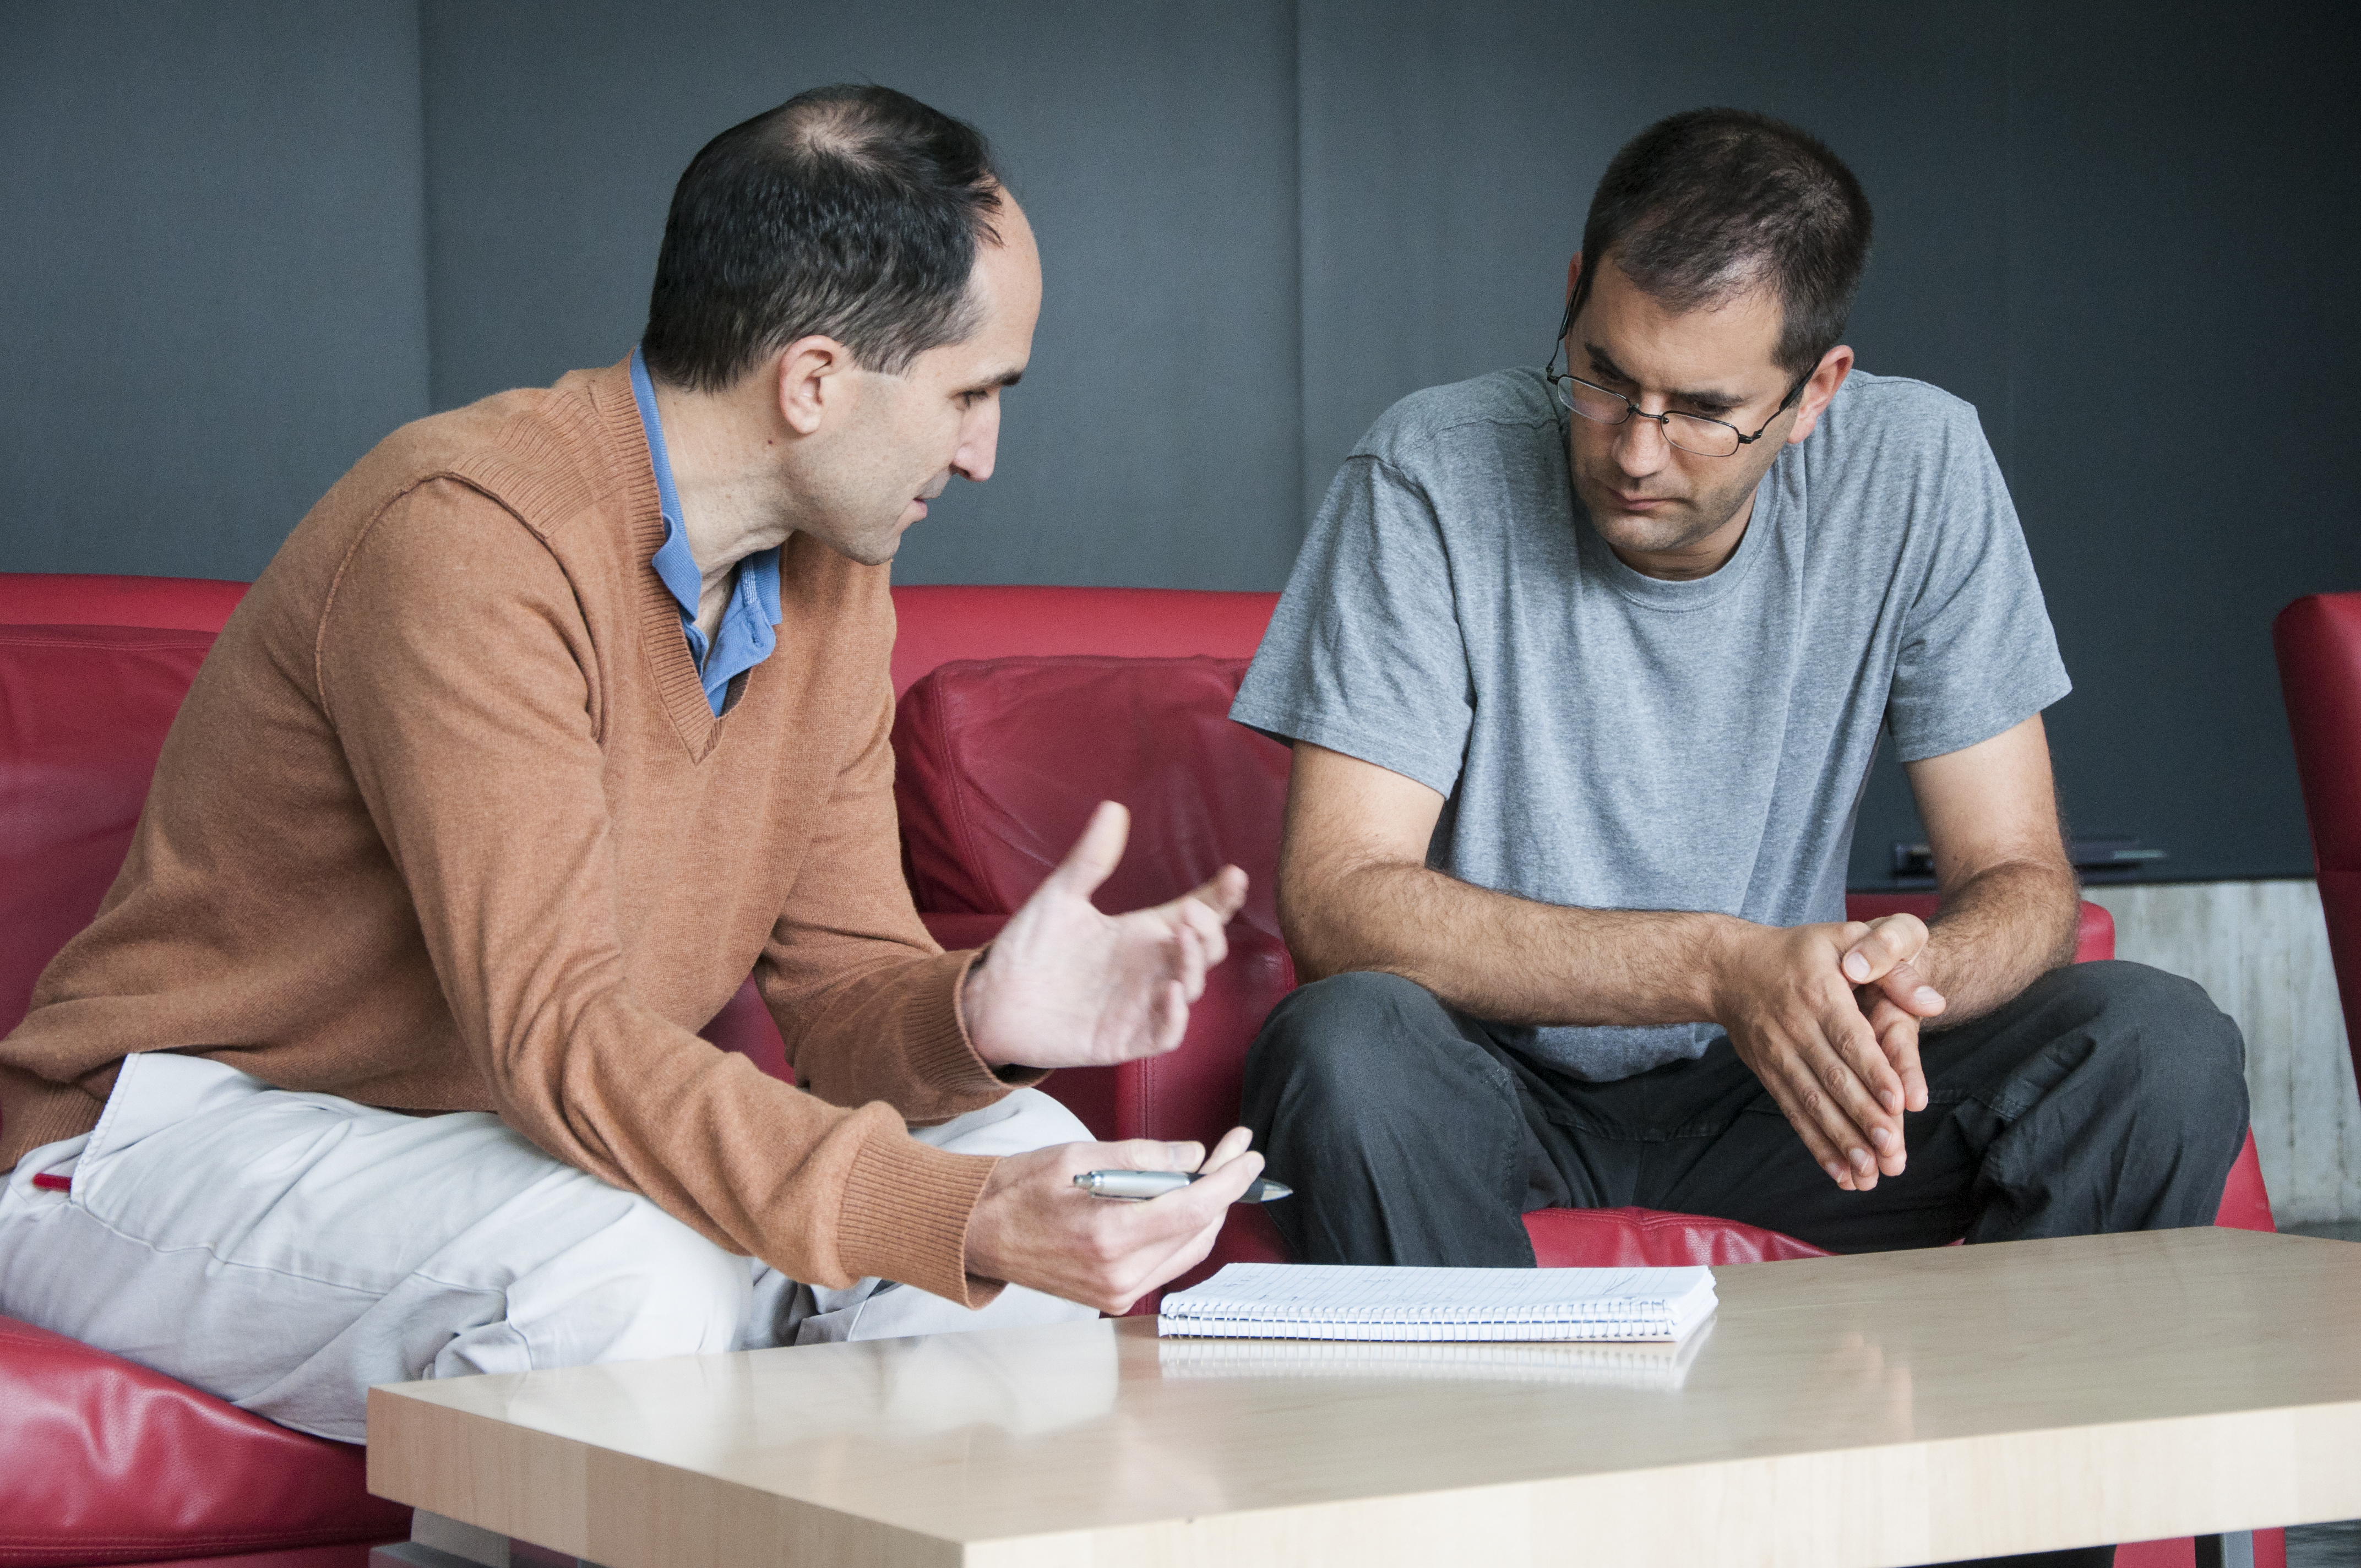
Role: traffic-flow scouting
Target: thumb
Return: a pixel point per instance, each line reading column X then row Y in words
column 1909, row 990
column 1092, row 859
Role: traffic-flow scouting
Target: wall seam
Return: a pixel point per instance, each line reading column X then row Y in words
column 425, row 210
column 1301, row 521
column 2011, row 232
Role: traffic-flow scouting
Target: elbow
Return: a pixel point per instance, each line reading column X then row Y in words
column 2069, row 936
column 1306, row 922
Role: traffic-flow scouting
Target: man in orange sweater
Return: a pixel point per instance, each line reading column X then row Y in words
column 556, row 717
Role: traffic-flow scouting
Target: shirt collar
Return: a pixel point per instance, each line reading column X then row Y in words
column 745, row 637
column 674, row 560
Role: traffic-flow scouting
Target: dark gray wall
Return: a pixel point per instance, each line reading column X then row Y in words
column 240, row 240
column 211, row 259
column 1156, row 437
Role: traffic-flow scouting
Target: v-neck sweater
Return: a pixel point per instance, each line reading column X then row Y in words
column 448, row 823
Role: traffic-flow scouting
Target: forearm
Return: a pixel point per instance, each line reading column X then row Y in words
column 1997, row 933
column 1503, row 957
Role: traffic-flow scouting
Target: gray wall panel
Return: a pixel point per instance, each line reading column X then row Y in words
column 237, row 239
column 1155, row 437
column 211, row 233
column 2183, row 333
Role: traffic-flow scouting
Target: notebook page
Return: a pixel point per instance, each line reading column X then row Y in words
column 1342, row 1301
column 1645, row 1365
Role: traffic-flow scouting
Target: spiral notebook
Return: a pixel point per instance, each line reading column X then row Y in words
column 1643, row 1365
column 1306, row 1300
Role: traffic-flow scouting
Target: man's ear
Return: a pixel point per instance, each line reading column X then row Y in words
column 1834, row 367
column 810, row 380
column 1572, row 271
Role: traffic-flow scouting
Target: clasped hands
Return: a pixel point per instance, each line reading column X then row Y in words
column 1828, row 1017
column 1065, row 985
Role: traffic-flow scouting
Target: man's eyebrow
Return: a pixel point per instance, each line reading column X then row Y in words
column 1005, row 378
column 1607, row 366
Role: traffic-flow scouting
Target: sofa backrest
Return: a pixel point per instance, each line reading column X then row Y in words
column 74, row 598
column 2318, row 639
column 939, row 624
column 83, row 713
column 998, row 764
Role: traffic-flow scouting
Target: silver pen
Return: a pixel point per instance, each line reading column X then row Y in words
column 1156, row 1183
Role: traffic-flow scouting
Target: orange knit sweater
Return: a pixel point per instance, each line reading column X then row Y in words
column 448, row 823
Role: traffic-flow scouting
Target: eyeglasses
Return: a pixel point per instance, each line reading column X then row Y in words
column 1690, row 433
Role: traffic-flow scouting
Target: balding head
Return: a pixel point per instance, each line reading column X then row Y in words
column 848, row 212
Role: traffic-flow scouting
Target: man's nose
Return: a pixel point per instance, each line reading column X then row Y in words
column 1639, row 446
column 979, row 444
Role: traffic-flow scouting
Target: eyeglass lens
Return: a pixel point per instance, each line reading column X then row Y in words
column 1690, row 433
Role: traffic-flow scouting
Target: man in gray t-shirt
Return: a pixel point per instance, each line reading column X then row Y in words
column 1585, row 672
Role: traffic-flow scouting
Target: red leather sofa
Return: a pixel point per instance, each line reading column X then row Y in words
column 2318, row 639
column 1041, row 702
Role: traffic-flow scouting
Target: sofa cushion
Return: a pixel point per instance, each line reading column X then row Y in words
column 83, row 713
column 103, row 1460
column 998, row 764
column 1650, row 1238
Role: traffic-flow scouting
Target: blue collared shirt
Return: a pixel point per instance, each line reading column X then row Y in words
column 745, row 637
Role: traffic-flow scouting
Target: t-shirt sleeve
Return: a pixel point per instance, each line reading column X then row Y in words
column 1978, row 655
column 1364, row 653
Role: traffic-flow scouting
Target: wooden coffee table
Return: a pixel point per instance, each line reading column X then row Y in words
column 1899, row 1409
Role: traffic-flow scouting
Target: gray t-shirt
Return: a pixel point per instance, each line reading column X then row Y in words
column 1610, row 741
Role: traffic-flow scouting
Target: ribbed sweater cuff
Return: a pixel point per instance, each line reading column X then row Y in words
column 906, row 1206
column 34, row 1111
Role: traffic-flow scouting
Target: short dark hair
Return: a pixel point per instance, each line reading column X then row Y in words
column 851, row 211
column 1706, row 204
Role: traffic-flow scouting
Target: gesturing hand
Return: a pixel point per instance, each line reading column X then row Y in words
column 1067, row 986
column 1828, row 1017
column 1033, row 1226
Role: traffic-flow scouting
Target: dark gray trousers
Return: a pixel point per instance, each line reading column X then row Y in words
column 2107, row 1097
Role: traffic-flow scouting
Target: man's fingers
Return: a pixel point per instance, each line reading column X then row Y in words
column 1094, row 855
column 1175, row 1231
column 1224, row 893
column 1861, row 1097
column 1148, row 1154
column 1217, row 1189
column 1863, row 1082
column 1168, row 1019
column 1909, row 992
column 1796, row 1099
column 1817, row 1099
column 1853, row 1040
column 1897, row 1037
column 1189, row 950
column 1892, row 939
column 1195, row 1245
column 1194, row 915
column 1234, row 1142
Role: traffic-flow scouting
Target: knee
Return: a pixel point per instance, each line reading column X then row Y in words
column 643, row 1286
column 1340, row 1040
column 2164, row 1042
